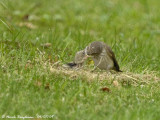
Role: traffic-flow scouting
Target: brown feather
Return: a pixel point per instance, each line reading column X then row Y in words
column 112, row 56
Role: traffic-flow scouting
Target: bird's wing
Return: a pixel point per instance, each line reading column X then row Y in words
column 112, row 56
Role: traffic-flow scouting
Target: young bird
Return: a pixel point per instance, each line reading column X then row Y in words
column 79, row 59
column 102, row 56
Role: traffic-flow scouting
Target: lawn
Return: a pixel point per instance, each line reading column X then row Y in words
column 39, row 36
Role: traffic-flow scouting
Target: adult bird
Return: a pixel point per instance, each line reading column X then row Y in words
column 102, row 55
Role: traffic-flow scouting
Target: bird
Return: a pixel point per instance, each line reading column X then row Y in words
column 102, row 55
column 79, row 59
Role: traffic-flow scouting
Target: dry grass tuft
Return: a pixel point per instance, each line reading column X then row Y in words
column 86, row 74
column 124, row 77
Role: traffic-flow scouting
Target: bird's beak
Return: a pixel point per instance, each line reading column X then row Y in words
column 87, row 56
column 86, row 52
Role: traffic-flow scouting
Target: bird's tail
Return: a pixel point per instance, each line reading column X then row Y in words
column 116, row 66
column 72, row 64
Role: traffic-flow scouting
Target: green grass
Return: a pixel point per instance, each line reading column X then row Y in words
column 131, row 28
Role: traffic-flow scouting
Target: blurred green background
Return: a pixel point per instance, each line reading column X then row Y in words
column 130, row 27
